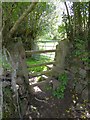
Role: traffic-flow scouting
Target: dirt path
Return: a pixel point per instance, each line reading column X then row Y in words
column 51, row 108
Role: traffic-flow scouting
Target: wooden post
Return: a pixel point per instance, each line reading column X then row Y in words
column 39, row 51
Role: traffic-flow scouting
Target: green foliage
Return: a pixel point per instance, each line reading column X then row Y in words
column 48, row 87
column 80, row 50
column 63, row 78
column 59, row 92
column 61, row 28
column 35, row 24
column 4, row 63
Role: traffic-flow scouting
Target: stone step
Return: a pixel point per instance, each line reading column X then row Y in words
column 49, row 66
column 52, row 83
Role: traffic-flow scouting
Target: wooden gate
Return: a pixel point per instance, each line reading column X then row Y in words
column 47, row 64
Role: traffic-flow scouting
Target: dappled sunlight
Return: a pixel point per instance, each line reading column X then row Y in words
column 37, row 89
column 44, row 66
column 33, row 80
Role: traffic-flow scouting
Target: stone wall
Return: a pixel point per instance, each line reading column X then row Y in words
column 61, row 52
column 73, row 66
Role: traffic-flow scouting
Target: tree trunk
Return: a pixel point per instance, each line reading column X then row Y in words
column 19, row 71
column 16, row 49
column 70, row 29
column 88, row 72
column 7, row 36
column 1, row 69
column 18, row 61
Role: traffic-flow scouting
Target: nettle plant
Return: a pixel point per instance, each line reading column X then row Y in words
column 59, row 92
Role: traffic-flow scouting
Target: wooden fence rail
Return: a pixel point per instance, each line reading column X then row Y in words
column 39, row 51
column 42, row 64
column 36, row 74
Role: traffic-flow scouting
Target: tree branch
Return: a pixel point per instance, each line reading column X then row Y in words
column 27, row 11
column 70, row 33
column 67, row 13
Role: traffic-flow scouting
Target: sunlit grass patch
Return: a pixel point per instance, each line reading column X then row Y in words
column 32, row 61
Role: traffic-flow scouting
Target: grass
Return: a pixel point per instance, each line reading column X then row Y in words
column 41, row 59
